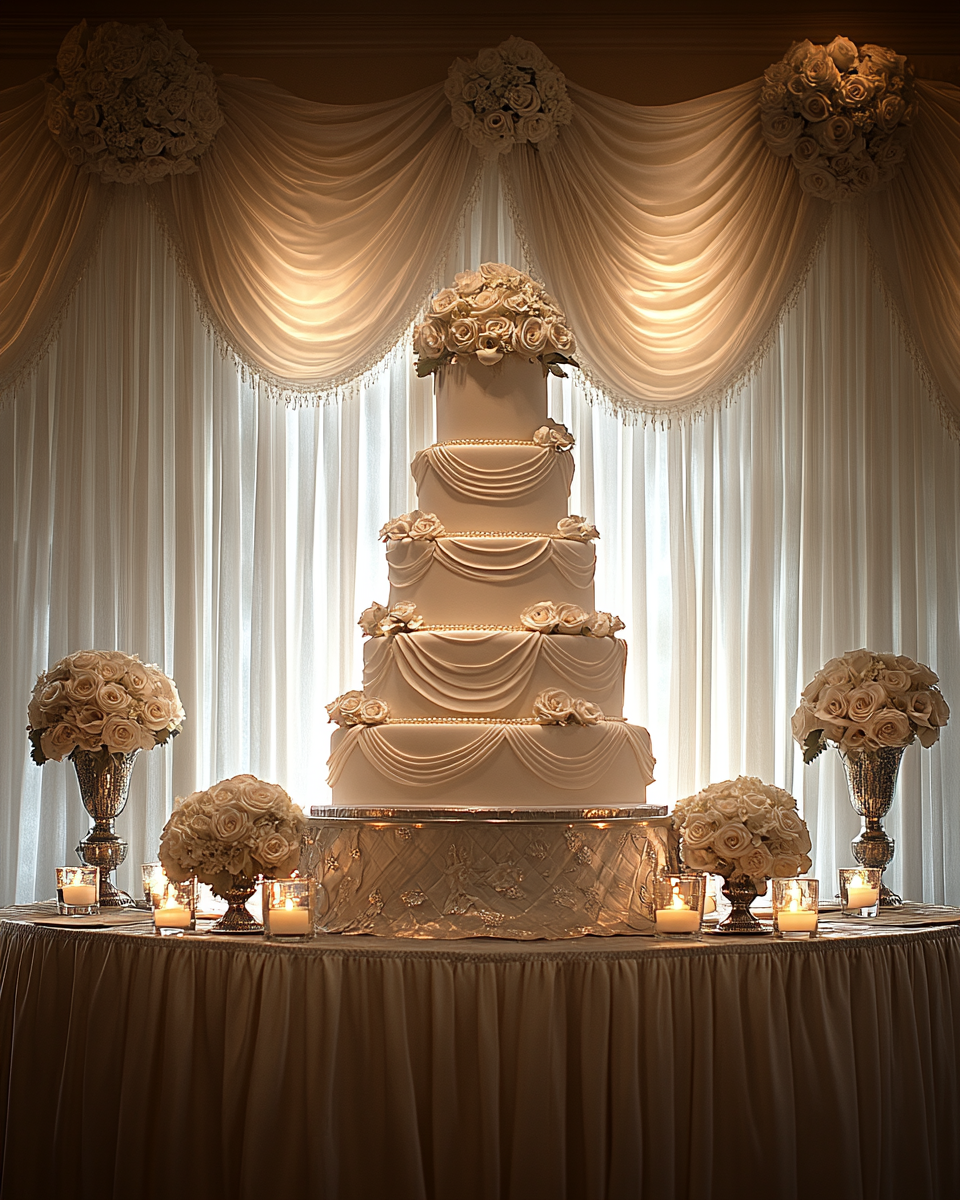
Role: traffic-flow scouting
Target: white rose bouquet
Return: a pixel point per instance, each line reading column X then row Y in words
column 491, row 312
column 508, row 96
column 240, row 827
column 131, row 103
column 842, row 114
column 743, row 829
column 102, row 701
column 864, row 702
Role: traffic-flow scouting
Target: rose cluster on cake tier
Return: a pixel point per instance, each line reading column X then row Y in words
column 489, row 679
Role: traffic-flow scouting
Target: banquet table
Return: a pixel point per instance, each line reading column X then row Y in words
column 139, row 1066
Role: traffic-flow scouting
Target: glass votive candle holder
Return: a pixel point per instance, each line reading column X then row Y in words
column 289, row 906
column 795, row 906
column 78, row 891
column 174, row 906
column 153, row 878
column 860, row 891
column 679, row 905
column 710, row 895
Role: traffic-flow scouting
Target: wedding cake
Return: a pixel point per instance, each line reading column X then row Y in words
column 489, row 678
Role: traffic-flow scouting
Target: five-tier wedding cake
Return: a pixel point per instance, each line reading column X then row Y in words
column 485, row 783
column 489, row 678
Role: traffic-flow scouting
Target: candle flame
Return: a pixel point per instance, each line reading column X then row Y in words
column 288, row 905
column 678, row 901
column 856, row 881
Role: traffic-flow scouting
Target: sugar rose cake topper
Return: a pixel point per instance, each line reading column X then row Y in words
column 489, row 313
column 841, row 113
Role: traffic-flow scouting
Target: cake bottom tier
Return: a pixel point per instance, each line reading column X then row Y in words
column 491, row 764
column 457, row 874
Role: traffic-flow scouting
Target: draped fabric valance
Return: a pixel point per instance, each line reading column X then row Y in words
column 312, row 234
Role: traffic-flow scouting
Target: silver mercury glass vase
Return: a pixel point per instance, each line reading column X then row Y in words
column 104, row 781
column 872, row 779
column 740, row 920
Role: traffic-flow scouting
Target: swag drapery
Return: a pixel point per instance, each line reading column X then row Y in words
column 154, row 500
column 312, row 234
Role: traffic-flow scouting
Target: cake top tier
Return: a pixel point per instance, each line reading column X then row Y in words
column 506, row 400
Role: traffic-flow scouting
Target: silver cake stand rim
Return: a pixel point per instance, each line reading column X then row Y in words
column 485, row 815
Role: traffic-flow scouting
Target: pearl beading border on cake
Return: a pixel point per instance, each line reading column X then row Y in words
column 490, row 442
column 476, row 721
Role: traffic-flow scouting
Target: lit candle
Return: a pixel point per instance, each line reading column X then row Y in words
column 171, row 915
column 289, row 920
column 77, row 894
column 679, row 917
column 795, row 919
column 859, row 895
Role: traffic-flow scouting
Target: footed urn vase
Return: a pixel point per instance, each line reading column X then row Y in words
column 740, row 920
column 237, row 918
column 872, row 779
column 104, row 781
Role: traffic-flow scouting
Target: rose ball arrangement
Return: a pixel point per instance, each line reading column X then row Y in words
column 491, row 313
column 864, row 702
column 102, row 702
column 841, row 113
column 232, row 832
column 747, row 831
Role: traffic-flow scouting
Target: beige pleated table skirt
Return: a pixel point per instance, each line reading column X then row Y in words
column 134, row 1067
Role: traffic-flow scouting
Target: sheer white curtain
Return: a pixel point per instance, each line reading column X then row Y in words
column 151, row 501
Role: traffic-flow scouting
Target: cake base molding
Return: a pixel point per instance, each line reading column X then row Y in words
column 508, row 873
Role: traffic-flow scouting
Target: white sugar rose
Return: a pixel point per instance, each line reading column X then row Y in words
column 553, row 707
column 370, row 619
column 576, row 528
column 555, row 434
column 598, row 624
column 425, row 525
column 462, row 335
column 468, row 282
column 586, row 712
column 489, row 350
column 396, row 529
column 445, row 302
column 540, row 617
column 428, row 338
column 374, row 711
column 401, row 618
column 531, row 336
column 571, row 618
